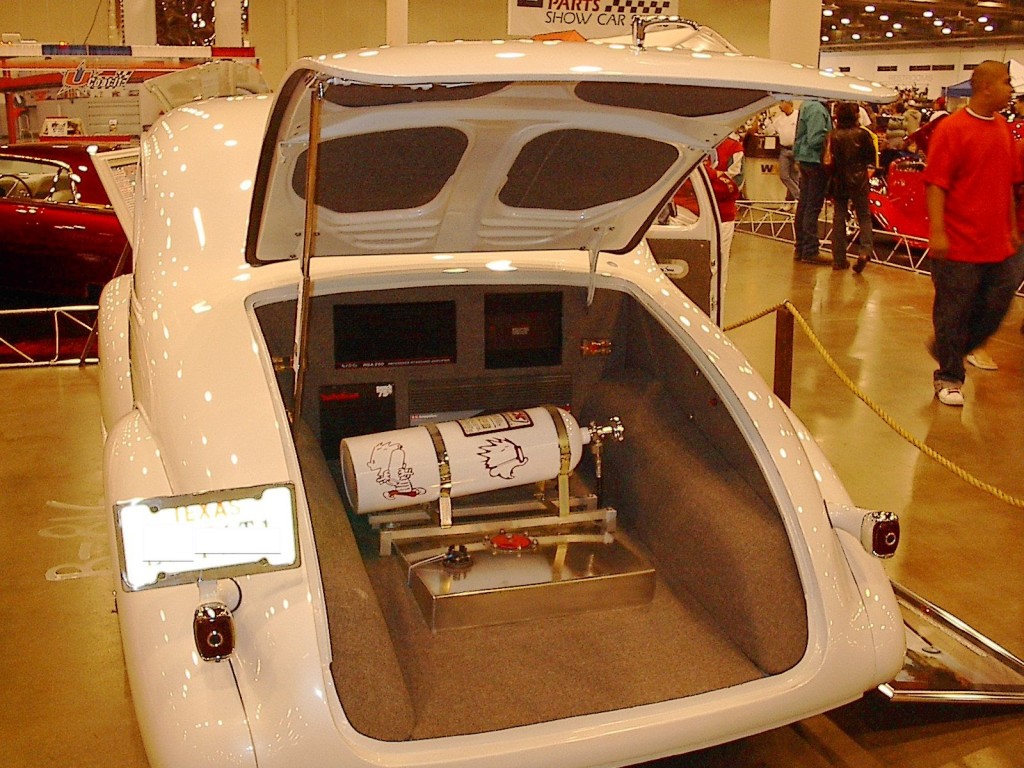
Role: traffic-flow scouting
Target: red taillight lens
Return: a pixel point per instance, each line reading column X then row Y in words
column 880, row 533
column 214, row 630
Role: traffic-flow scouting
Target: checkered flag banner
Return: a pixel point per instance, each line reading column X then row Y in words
column 638, row 7
column 590, row 19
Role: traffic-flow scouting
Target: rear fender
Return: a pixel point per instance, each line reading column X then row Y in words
column 884, row 617
column 116, row 396
column 189, row 711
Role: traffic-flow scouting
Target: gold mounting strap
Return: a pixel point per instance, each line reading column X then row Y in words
column 444, row 471
column 565, row 456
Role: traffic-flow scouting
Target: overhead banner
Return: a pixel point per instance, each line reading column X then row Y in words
column 590, row 18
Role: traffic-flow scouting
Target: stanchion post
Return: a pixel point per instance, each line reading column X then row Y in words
column 783, row 382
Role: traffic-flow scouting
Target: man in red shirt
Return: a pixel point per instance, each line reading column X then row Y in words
column 973, row 239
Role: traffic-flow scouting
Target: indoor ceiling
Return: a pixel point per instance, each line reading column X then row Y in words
column 846, row 24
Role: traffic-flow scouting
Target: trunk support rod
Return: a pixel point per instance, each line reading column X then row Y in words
column 309, row 236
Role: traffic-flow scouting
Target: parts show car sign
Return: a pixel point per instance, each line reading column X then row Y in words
column 590, row 18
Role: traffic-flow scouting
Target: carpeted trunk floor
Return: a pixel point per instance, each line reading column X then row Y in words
column 487, row 678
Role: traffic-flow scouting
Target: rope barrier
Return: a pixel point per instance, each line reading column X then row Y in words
column 921, row 446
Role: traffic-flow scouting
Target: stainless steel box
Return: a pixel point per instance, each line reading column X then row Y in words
column 473, row 580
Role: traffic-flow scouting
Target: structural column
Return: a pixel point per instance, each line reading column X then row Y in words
column 794, row 31
column 139, row 22
column 229, row 23
column 397, row 22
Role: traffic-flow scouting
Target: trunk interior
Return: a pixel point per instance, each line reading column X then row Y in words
column 711, row 597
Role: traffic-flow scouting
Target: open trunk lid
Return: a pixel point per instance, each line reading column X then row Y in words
column 502, row 146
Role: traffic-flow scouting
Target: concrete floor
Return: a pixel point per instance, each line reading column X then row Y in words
column 64, row 688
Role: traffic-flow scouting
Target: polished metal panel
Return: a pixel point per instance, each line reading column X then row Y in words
column 949, row 661
column 563, row 570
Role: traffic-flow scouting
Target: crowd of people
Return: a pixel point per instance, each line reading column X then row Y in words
column 974, row 180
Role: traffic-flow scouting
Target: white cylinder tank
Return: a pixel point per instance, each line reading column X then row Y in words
column 401, row 468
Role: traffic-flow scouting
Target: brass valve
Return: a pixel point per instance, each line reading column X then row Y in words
column 598, row 435
column 613, row 430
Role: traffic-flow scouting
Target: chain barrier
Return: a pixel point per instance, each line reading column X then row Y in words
column 885, row 417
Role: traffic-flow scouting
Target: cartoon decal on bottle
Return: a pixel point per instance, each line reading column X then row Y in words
column 388, row 461
column 501, row 457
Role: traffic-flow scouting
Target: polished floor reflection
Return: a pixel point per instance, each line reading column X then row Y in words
column 67, row 698
column 962, row 547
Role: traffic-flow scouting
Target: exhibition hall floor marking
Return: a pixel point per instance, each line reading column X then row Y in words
column 86, row 527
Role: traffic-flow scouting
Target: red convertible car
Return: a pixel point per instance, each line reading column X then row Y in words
column 898, row 201
column 61, row 236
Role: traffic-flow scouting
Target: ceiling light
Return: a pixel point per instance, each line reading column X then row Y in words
column 824, row 38
column 884, row 17
column 928, row 14
column 844, row 20
column 889, row 33
column 989, row 28
column 827, row 12
column 938, row 22
column 856, row 36
column 897, row 25
column 947, row 31
column 983, row 19
column 869, row 9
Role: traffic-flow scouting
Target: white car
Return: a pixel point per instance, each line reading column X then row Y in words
column 414, row 457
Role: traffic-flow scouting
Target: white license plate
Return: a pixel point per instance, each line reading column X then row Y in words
column 220, row 534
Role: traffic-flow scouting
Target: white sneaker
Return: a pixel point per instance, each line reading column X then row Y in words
column 950, row 396
column 979, row 358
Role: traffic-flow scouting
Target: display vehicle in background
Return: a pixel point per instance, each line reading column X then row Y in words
column 61, row 236
column 898, row 203
column 414, row 456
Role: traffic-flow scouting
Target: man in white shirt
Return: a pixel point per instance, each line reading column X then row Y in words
column 783, row 124
column 864, row 117
column 938, row 109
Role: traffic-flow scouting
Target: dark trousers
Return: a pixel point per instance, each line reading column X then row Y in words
column 813, row 183
column 863, row 211
column 971, row 301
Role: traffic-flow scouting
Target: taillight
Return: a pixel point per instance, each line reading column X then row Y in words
column 214, row 630
column 880, row 533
